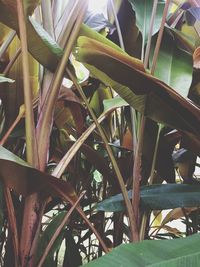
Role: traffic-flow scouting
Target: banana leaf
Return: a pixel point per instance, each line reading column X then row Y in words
column 157, row 197
column 182, row 252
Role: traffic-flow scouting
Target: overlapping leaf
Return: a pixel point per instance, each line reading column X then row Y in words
column 143, row 10
column 174, row 66
column 142, row 91
column 40, row 44
column 169, row 253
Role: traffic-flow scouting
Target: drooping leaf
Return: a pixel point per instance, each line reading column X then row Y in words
column 143, row 11
column 157, row 197
column 142, row 91
column 88, row 32
column 182, row 252
column 24, row 180
column 174, row 66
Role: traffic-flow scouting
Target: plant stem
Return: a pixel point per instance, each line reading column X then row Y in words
column 62, row 165
column 47, row 17
column 12, row 61
column 155, row 57
column 31, row 202
column 133, row 226
column 46, row 116
column 82, row 214
column 31, row 147
column 160, row 35
column 117, row 25
column 12, row 223
column 148, row 47
column 138, row 154
column 7, row 42
column 145, row 216
column 155, row 156
column 131, row 211
column 5, row 137
column 59, row 229
column 137, row 170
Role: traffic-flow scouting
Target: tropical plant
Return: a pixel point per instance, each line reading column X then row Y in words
column 99, row 127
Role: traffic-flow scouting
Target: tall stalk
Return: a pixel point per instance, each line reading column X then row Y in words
column 31, row 202
column 130, row 209
column 46, row 117
column 139, row 147
column 131, row 216
column 153, row 67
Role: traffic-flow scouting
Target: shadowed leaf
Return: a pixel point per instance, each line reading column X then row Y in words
column 143, row 10
column 142, row 91
column 25, row 180
column 157, row 197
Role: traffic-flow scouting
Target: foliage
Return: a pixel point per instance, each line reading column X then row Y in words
column 104, row 149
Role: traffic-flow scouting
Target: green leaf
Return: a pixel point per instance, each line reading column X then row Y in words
column 114, row 102
column 143, row 11
column 174, row 66
column 182, row 252
column 157, row 197
column 141, row 90
column 5, row 80
column 88, row 32
column 184, row 40
column 46, row 237
column 40, row 44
